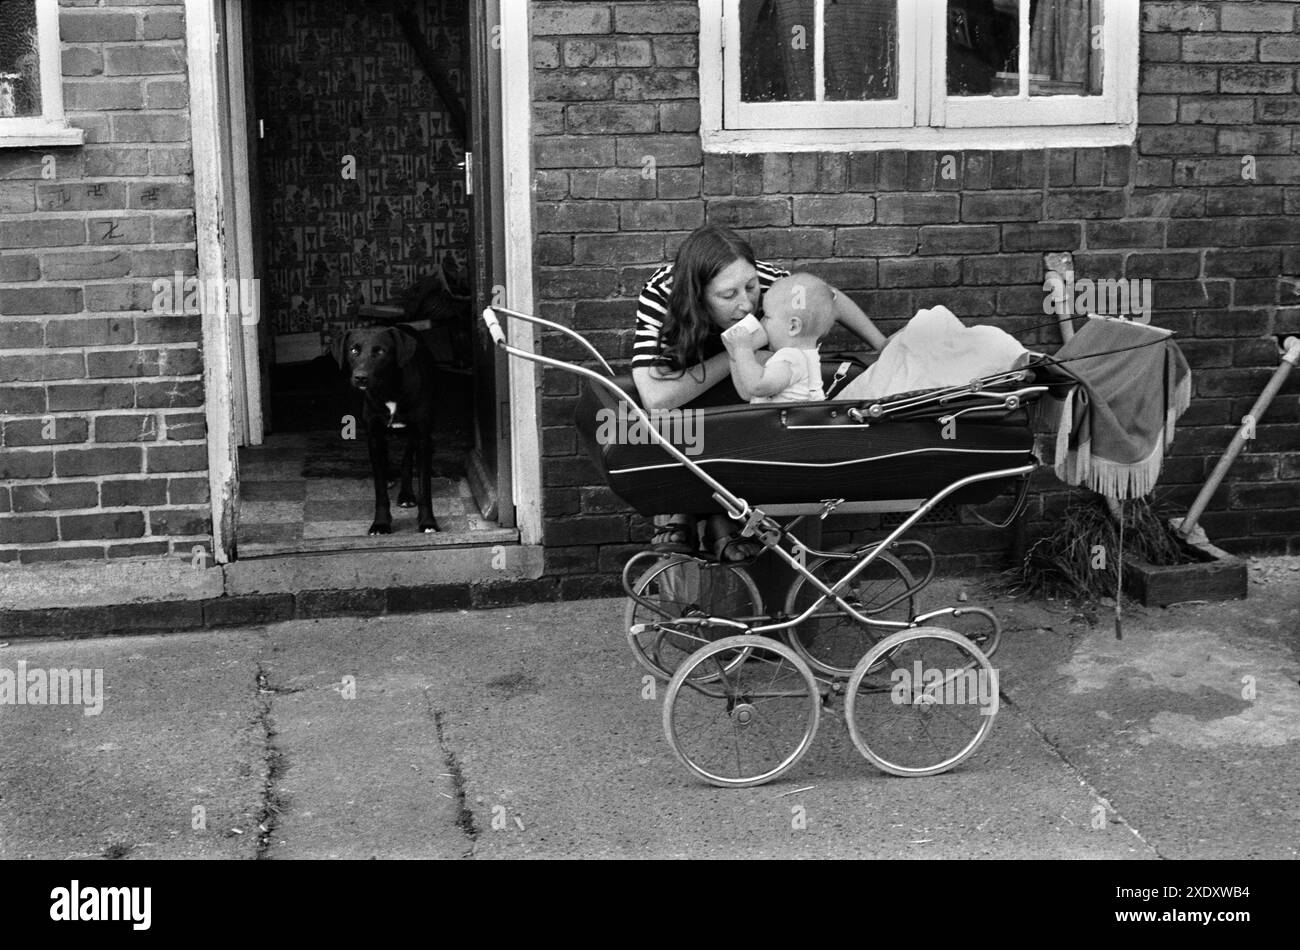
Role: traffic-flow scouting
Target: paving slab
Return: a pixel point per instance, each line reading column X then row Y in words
column 178, row 731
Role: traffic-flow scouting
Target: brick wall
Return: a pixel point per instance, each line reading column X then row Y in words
column 615, row 82
column 102, row 449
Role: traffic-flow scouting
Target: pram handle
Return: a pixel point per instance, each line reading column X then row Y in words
column 499, row 337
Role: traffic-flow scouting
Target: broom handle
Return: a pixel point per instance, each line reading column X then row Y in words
column 1289, row 360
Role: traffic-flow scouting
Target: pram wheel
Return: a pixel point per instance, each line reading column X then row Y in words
column 830, row 641
column 680, row 586
column 921, row 701
column 749, row 719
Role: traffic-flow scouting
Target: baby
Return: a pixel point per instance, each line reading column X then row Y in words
column 797, row 314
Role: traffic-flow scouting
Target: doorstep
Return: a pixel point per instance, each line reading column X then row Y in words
column 158, row 595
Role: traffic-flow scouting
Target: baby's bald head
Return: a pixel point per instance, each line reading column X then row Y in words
column 801, row 295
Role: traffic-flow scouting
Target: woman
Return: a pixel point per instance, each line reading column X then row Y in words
column 679, row 360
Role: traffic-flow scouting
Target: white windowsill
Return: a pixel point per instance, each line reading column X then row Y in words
column 750, row 141
column 36, row 134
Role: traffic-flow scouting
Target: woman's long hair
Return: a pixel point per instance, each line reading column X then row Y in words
column 704, row 254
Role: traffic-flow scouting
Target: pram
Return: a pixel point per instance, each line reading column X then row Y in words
column 741, row 707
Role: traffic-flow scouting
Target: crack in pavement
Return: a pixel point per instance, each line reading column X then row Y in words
column 464, row 815
column 1078, row 774
column 268, row 816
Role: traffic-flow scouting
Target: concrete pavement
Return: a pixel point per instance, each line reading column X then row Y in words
column 523, row 732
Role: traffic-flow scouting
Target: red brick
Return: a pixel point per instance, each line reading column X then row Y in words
column 614, row 183
column 39, row 300
column 676, row 51
column 187, row 491
column 1126, row 234
column 91, row 396
column 144, row 59
column 1095, row 203
column 1279, row 49
column 31, row 432
column 1253, row 80
column 958, row 239
column 657, row 85
column 132, row 428
column 679, row 116
column 98, row 461
column 876, row 241
column 656, row 17
column 28, row 530
column 1216, row 48
column 52, row 497
column 172, row 394
column 664, row 149
column 559, row 19
column 841, row 209
column 787, row 244
column 1243, row 263
column 133, row 492
column 1179, row 16
column 1001, row 206
column 608, row 118
column 618, row 249
column 115, row 525
column 176, row 458
column 917, row 209
column 30, row 367
column 1257, row 17
column 179, row 522
column 661, row 215
column 1179, row 80
column 1168, row 266
column 930, row 272
column 1224, row 110
column 25, row 399
column 1004, row 269
column 1041, row 237
column 574, row 151
column 21, row 334
column 143, row 362
column 89, row 331
column 573, row 86
column 1176, row 140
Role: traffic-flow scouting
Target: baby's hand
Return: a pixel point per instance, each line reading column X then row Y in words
column 746, row 335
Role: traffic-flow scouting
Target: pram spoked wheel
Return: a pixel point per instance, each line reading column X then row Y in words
column 741, row 711
column 921, row 701
column 683, row 586
column 830, row 641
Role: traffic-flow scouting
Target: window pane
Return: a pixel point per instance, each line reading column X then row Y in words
column 983, row 48
column 20, row 74
column 776, row 50
column 1065, row 54
column 861, row 49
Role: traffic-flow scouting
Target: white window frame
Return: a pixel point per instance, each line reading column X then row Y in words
column 931, row 119
column 50, row 127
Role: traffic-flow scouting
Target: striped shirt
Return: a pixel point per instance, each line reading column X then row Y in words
column 652, row 309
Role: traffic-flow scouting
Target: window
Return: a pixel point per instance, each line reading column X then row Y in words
column 31, row 85
column 799, row 75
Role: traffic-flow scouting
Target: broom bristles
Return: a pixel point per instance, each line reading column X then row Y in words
column 1078, row 558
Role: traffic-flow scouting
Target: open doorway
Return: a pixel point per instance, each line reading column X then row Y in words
column 366, row 209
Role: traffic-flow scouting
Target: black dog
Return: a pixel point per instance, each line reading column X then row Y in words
column 394, row 370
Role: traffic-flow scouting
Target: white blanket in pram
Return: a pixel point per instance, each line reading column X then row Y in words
column 935, row 350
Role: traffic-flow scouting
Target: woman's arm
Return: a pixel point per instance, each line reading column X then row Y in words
column 661, row 389
column 850, row 315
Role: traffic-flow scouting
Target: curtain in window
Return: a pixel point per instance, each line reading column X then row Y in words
column 1060, row 45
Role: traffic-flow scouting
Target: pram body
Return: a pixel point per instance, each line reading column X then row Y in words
column 795, row 453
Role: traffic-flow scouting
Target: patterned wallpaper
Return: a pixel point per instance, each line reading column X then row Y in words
column 336, row 78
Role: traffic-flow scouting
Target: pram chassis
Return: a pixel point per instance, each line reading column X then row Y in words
column 722, row 661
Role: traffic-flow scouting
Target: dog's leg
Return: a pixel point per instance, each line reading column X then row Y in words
column 424, row 455
column 383, row 523
column 405, row 494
